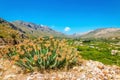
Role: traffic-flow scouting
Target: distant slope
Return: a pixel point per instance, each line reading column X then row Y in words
column 34, row 30
column 9, row 34
column 103, row 33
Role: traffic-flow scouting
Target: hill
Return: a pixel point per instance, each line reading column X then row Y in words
column 10, row 34
column 105, row 33
column 34, row 30
column 14, row 32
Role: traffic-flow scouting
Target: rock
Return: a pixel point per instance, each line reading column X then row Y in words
column 90, row 70
column 89, row 75
column 10, row 76
column 117, row 77
column 1, row 67
column 114, row 52
column 75, row 68
column 104, row 72
column 100, row 67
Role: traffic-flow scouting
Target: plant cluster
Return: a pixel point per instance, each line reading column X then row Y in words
column 42, row 53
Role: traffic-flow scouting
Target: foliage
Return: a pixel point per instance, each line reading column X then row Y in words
column 43, row 53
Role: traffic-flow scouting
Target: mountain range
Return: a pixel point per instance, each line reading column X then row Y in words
column 15, row 32
column 32, row 30
column 105, row 33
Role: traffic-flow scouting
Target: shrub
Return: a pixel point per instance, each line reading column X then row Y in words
column 44, row 53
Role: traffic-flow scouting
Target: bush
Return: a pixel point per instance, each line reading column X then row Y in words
column 43, row 53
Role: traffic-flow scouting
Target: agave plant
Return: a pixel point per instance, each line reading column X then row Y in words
column 43, row 53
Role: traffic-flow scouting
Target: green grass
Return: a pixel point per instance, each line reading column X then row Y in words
column 102, row 53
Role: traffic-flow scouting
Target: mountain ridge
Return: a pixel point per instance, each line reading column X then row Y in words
column 102, row 33
column 36, row 30
column 33, row 30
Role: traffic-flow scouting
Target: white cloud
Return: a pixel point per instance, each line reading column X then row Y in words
column 67, row 29
column 42, row 25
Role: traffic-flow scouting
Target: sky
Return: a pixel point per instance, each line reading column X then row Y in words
column 67, row 16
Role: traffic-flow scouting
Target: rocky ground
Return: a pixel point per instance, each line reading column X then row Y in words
column 89, row 70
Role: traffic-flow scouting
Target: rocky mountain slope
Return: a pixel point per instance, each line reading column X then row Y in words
column 17, row 30
column 103, row 33
column 10, row 34
column 34, row 30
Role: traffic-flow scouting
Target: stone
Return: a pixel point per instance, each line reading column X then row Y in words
column 100, row 67
column 7, row 77
column 89, row 75
column 1, row 67
column 117, row 77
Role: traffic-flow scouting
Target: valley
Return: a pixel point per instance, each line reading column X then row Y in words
column 37, row 52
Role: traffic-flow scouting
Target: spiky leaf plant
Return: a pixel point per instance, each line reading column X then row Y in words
column 44, row 53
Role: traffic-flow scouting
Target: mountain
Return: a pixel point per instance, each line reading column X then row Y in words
column 14, row 32
column 22, row 29
column 34, row 30
column 2, row 21
column 103, row 33
column 10, row 34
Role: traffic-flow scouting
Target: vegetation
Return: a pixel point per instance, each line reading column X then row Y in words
column 46, row 53
column 7, row 32
column 9, row 35
column 101, row 51
column 42, row 54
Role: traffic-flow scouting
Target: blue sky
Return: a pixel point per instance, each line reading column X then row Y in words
column 76, row 15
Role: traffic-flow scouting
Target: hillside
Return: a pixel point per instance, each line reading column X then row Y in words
column 34, row 30
column 10, row 34
column 53, row 58
column 18, row 30
column 103, row 33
